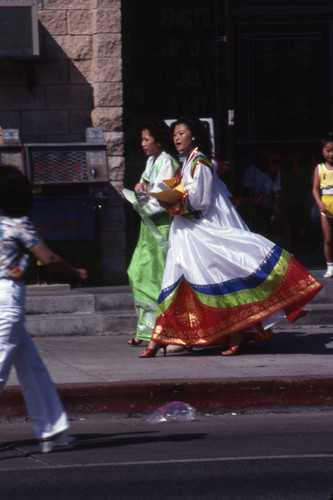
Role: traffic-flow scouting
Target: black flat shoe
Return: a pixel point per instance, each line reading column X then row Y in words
column 134, row 341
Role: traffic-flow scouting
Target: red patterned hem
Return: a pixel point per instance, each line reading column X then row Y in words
column 190, row 322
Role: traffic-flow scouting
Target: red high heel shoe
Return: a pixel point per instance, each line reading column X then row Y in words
column 150, row 352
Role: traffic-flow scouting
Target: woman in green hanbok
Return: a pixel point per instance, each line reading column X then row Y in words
column 146, row 268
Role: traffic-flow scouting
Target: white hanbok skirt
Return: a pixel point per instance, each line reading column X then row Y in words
column 221, row 278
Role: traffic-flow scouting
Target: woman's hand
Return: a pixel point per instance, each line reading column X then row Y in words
column 82, row 275
column 140, row 186
column 57, row 264
column 322, row 207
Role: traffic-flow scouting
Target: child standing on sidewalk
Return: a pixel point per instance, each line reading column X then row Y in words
column 18, row 239
column 323, row 194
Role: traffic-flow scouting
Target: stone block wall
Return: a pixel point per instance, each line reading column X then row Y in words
column 76, row 83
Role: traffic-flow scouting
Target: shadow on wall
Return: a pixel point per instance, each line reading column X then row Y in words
column 50, row 100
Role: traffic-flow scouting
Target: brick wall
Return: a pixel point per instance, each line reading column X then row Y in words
column 76, row 83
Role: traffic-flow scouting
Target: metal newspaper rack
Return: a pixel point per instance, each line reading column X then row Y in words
column 70, row 163
column 64, row 177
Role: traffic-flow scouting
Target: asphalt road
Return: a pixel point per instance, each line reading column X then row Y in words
column 251, row 455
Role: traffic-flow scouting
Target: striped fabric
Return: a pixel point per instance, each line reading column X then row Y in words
column 193, row 314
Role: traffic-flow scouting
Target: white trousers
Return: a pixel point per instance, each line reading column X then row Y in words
column 17, row 349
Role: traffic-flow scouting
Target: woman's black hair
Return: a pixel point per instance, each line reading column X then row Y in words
column 15, row 192
column 161, row 133
column 200, row 132
column 326, row 139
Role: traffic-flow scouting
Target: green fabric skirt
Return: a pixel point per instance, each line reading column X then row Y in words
column 145, row 274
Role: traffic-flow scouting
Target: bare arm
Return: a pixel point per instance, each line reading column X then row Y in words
column 316, row 191
column 56, row 263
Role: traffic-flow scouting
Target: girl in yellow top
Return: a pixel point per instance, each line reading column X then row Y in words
column 323, row 194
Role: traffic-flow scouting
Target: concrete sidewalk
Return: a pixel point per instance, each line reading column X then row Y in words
column 103, row 374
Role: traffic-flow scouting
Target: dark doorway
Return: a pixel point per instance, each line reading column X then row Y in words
column 263, row 73
column 280, row 94
column 169, row 70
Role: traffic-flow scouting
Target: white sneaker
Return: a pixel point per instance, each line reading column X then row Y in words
column 329, row 273
column 60, row 440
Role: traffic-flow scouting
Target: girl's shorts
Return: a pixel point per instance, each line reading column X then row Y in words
column 328, row 200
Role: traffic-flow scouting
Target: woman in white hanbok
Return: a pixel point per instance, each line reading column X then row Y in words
column 222, row 284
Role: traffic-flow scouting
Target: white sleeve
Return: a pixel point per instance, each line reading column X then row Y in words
column 164, row 169
column 201, row 188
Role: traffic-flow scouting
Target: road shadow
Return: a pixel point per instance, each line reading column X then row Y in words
column 97, row 441
column 87, row 441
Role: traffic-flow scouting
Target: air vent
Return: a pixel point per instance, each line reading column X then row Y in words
column 19, row 36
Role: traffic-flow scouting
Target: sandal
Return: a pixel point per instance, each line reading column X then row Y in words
column 232, row 351
column 134, row 341
column 239, row 339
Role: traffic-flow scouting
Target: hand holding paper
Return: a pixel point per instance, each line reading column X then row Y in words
column 172, row 193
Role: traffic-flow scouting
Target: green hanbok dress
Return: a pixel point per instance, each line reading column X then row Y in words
column 146, row 268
